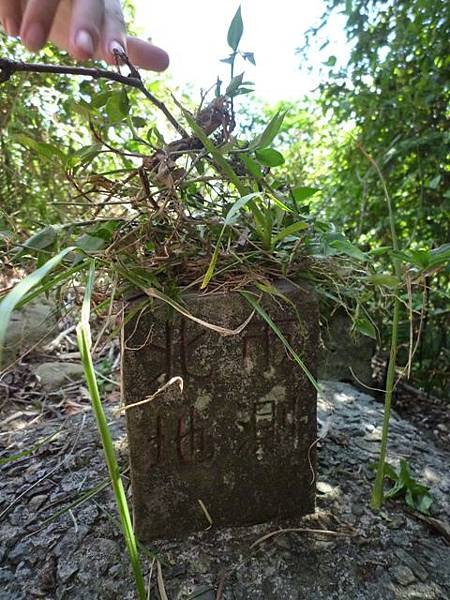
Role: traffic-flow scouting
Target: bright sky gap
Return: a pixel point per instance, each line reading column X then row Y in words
column 194, row 34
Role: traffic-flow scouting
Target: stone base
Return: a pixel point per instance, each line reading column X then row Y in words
column 235, row 445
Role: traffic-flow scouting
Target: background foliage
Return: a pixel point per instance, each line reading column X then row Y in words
column 390, row 101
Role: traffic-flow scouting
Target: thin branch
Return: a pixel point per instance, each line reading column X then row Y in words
column 9, row 67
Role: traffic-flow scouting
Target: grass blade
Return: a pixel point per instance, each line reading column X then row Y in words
column 84, row 344
column 234, row 210
column 260, row 310
column 18, row 293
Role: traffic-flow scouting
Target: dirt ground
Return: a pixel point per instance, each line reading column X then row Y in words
column 60, row 538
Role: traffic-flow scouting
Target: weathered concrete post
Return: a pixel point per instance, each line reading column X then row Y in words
column 236, row 444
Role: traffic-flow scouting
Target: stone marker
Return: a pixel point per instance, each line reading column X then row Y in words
column 235, row 444
column 341, row 349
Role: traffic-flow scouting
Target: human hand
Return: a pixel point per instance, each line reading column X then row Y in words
column 85, row 28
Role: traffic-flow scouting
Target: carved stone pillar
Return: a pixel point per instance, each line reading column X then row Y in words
column 237, row 443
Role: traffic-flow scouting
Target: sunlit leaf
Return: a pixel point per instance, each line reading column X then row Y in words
column 235, row 30
column 301, row 194
column 270, row 132
column 118, row 106
column 269, row 157
column 290, row 230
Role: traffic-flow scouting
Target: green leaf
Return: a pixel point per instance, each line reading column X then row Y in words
column 384, row 279
column 229, row 60
column 84, row 155
column 84, row 345
column 235, row 30
column 424, row 503
column 364, row 326
column 47, row 151
column 244, row 90
column 440, row 255
column 249, row 56
column 99, row 100
column 90, row 243
column 215, row 152
column 42, row 239
column 434, row 183
column 290, row 230
column 82, row 108
column 301, row 194
column 269, row 157
column 231, row 215
column 139, row 122
column 19, row 291
column 331, row 61
column 251, row 165
column 260, row 310
column 118, row 106
column 270, row 132
column 389, row 472
column 380, row 251
column 346, row 247
column 234, row 85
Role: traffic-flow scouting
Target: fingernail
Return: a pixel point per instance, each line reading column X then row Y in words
column 34, row 37
column 84, row 42
column 116, row 46
column 12, row 27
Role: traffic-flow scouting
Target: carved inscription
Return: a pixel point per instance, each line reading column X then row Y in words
column 267, row 423
column 194, row 445
column 261, row 340
column 176, row 354
column 185, row 439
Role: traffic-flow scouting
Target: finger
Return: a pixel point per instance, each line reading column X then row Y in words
column 146, row 55
column 37, row 22
column 113, row 36
column 11, row 16
column 85, row 27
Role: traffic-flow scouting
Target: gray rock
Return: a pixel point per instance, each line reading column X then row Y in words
column 36, row 502
column 6, row 576
column 403, row 575
column 202, row 593
column 419, row 571
column 325, row 488
column 357, row 510
column 35, row 321
column 342, row 349
column 54, row 375
column 67, row 567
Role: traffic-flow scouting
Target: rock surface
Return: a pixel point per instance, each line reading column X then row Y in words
column 48, row 551
column 345, row 355
column 28, row 326
column 53, row 375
